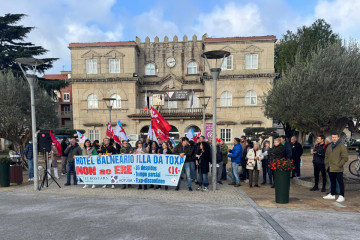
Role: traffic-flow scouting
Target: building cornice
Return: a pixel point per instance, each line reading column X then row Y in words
column 86, row 80
column 242, row 76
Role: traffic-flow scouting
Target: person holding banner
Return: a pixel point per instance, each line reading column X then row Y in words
column 203, row 160
column 107, row 149
column 88, row 150
column 184, row 149
column 165, row 149
column 126, row 148
column 152, row 148
column 140, row 150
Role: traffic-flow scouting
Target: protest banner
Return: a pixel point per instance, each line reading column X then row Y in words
column 129, row 169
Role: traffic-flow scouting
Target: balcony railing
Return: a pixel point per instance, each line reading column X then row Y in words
column 66, row 113
column 172, row 110
column 176, row 113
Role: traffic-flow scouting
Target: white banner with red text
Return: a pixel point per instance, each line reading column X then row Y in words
column 129, row 169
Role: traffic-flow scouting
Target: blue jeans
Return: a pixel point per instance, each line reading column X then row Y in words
column 70, row 167
column 203, row 178
column 187, row 168
column 235, row 173
column 266, row 171
column 31, row 168
column 192, row 170
column 223, row 175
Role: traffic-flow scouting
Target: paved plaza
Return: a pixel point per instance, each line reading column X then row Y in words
column 228, row 213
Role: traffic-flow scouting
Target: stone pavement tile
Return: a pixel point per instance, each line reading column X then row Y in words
column 226, row 195
column 317, row 224
column 302, row 198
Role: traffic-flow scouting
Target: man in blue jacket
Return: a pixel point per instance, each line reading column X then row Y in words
column 30, row 157
column 236, row 154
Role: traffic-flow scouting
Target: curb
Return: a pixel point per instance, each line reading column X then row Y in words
column 304, row 183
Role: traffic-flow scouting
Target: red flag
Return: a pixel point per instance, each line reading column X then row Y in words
column 110, row 133
column 57, row 144
column 160, row 126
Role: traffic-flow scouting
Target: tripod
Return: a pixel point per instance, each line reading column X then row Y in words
column 46, row 173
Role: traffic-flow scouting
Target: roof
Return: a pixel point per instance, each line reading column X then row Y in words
column 55, row 76
column 103, row 44
column 232, row 39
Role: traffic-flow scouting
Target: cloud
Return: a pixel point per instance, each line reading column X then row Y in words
column 58, row 23
column 152, row 23
column 231, row 20
column 343, row 16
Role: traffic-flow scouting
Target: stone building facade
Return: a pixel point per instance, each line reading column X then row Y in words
column 175, row 72
column 63, row 102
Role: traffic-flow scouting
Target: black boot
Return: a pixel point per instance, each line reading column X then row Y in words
column 314, row 189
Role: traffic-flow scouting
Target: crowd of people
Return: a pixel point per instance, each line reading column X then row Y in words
column 248, row 160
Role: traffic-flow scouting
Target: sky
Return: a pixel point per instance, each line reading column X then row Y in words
column 60, row 22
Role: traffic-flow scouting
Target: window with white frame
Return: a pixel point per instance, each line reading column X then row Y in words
column 92, row 101
column 195, row 102
column 150, row 69
column 226, row 99
column 228, row 63
column 114, row 65
column 66, row 97
column 94, row 135
column 250, row 98
column 170, row 104
column 91, row 66
column 192, row 68
column 115, row 103
column 251, row 61
column 225, row 133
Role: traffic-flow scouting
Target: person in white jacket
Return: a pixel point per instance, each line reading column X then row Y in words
column 254, row 157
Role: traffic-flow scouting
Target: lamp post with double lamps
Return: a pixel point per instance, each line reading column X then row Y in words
column 215, row 73
column 109, row 104
column 31, row 79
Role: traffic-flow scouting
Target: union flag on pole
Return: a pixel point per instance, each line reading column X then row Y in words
column 110, row 133
column 160, row 126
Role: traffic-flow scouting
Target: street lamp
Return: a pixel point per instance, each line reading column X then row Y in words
column 31, row 78
column 109, row 105
column 205, row 100
column 215, row 73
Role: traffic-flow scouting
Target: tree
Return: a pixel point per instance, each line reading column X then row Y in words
column 13, row 45
column 257, row 133
column 15, row 112
column 302, row 43
column 320, row 95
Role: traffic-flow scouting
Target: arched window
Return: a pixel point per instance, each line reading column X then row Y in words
column 226, row 99
column 92, row 101
column 150, row 69
column 116, row 103
column 192, row 68
column 251, row 98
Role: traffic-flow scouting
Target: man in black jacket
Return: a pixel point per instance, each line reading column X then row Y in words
column 297, row 151
column 184, row 149
column 319, row 164
column 63, row 156
column 71, row 151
